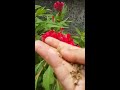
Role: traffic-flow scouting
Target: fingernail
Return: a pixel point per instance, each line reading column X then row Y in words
column 48, row 39
column 39, row 45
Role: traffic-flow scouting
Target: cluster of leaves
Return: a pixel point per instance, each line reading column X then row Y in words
column 43, row 20
column 80, row 38
column 44, row 75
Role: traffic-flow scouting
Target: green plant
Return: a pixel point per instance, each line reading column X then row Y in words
column 46, row 19
column 44, row 76
column 44, row 22
column 80, row 38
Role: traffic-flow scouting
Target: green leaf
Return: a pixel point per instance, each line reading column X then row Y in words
column 68, row 21
column 37, row 58
column 76, row 41
column 49, row 15
column 37, row 37
column 78, row 31
column 63, row 23
column 76, row 37
column 65, row 27
column 39, row 66
column 38, row 69
column 37, row 6
column 40, row 27
column 64, row 11
column 40, row 11
column 51, row 25
column 48, row 78
column 37, row 20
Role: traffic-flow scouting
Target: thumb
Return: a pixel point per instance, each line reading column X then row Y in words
column 74, row 55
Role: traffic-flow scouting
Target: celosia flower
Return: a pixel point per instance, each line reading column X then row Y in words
column 58, row 35
column 58, row 6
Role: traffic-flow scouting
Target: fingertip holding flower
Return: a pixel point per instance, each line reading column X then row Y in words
column 48, row 40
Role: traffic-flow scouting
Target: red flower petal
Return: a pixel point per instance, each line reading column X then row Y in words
column 68, row 35
column 60, row 36
column 54, row 35
column 62, row 4
column 58, row 6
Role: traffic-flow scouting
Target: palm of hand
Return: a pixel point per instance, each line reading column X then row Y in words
column 61, row 66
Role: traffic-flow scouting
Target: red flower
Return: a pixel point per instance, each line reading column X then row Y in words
column 60, row 36
column 49, row 33
column 58, row 6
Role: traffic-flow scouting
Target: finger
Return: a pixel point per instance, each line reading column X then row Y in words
column 42, row 49
column 74, row 55
column 68, row 52
column 56, row 43
column 61, row 71
column 58, row 64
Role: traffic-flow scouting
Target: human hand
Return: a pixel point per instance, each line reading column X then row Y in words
column 62, row 66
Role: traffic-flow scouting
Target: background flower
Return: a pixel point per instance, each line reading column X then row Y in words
column 58, row 6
